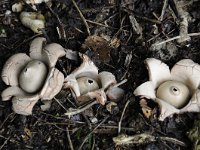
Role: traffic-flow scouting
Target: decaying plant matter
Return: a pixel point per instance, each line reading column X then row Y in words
column 194, row 135
column 142, row 138
column 176, row 91
column 33, row 78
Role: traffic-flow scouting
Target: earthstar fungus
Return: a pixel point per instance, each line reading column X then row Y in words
column 86, row 83
column 33, row 78
column 175, row 91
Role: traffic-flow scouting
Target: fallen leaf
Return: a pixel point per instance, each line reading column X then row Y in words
column 100, row 46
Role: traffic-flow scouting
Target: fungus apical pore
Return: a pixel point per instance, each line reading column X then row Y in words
column 87, row 85
column 32, row 77
column 174, row 92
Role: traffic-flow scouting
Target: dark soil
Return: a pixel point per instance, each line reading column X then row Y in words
column 49, row 130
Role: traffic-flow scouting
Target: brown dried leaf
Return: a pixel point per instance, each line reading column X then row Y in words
column 115, row 42
column 100, row 46
column 27, row 134
column 147, row 111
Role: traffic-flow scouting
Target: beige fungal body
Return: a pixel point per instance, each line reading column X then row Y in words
column 33, row 78
column 175, row 91
column 86, row 83
column 18, row 7
column 33, row 20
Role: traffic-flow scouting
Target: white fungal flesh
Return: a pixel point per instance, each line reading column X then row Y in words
column 12, row 68
column 107, row 79
column 87, row 68
column 17, row 7
column 36, row 1
column 146, row 89
column 158, row 71
column 33, row 20
column 33, row 76
column 87, row 85
column 188, row 72
column 174, row 92
column 53, row 84
column 115, row 93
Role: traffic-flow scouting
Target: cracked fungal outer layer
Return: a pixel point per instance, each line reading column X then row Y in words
column 24, row 99
column 184, row 78
column 86, row 83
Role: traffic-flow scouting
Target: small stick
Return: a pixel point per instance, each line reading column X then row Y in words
column 176, row 37
column 120, row 83
column 142, row 138
column 5, row 142
column 184, row 22
column 93, row 143
column 172, row 140
column 163, row 10
column 3, row 122
column 77, row 111
column 69, row 139
column 86, row 138
column 82, row 17
column 60, row 29
column 120, row 122
column 57, row 100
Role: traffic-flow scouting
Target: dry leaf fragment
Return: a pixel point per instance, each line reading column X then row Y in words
column 147, row 111
column 100, row 46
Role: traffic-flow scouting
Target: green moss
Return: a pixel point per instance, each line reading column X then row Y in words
column 194, row 135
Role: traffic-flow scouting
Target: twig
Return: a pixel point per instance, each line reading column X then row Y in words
column 176, row 37
column 120, row 122
column 57, row 100
column 6, row 119
column 45, row 35
column 27, row 40
column 93, row 143
column 172, row 140
column 82, row 17
column 183, row 25
column 86, row 138
column 87, row 120
column 163, row 10
column 165, row 144
column 135, row 25
column 69, row 139
column 143, row 18
column 5, row 142
column 103, row 25
column 79, row 110
column 120, row 83
column 60, row 29
column 99, row 24
column 143, row 138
